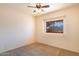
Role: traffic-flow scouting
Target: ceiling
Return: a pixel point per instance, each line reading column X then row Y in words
column 53, row 7
column 23, row 7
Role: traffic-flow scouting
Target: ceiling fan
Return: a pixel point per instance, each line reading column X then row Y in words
column 39, row 6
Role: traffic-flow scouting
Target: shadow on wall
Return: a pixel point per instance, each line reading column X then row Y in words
column 16, row 29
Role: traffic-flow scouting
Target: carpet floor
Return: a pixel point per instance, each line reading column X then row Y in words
column 38, row 49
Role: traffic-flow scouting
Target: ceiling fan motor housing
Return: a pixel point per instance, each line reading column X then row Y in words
column 38, row 6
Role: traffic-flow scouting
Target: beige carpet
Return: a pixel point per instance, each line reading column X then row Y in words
column 37, row 49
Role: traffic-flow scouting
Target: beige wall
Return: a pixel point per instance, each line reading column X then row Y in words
column 16, row 28
column 70, row 38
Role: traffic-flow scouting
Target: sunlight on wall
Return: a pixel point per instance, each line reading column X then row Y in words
column 69, row 39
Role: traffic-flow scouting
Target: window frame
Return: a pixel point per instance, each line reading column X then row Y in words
column 59, row 20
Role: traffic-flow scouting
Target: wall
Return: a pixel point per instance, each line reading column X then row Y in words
column 16, row 28
column 70, row 38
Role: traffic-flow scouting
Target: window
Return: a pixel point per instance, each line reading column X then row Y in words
column 54, row 26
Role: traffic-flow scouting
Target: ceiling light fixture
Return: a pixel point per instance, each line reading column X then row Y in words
column 39, row 7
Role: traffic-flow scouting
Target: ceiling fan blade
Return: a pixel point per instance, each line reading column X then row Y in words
column 46, row 6
column 31, row 6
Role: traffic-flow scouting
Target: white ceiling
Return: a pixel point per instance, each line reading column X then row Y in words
column 53, row 7
column 23, row 7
